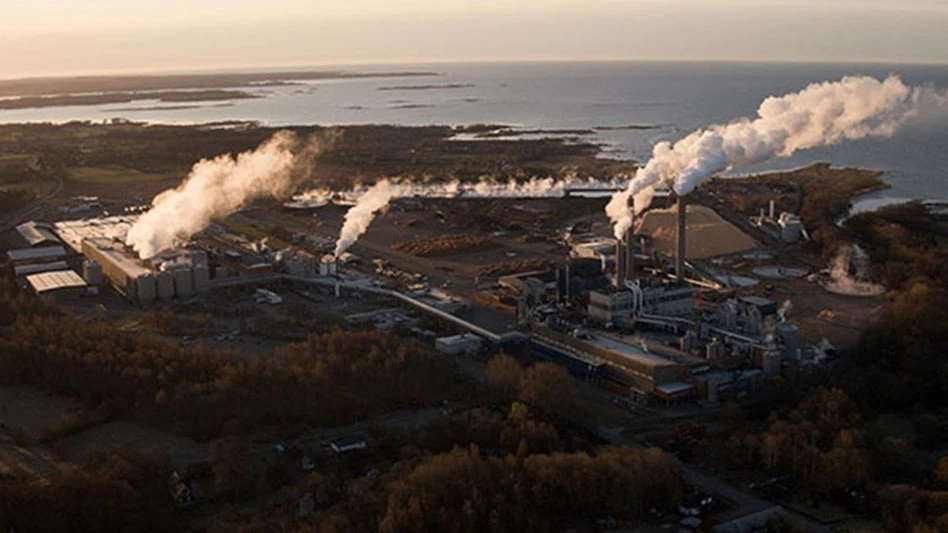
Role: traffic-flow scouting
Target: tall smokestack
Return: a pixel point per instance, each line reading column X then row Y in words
column 621, row 266
column 629, row 256
column 680, row 238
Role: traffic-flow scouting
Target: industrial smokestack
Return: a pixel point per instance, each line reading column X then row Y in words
column 820, row 115
column 629, row 256
column 680, row 238
column 620, row 264
column 772, row 217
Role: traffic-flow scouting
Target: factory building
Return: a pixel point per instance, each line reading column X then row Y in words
column 630, row 369
column 125, row 273
column 57, row 285
column 36, row 234
column 786, row 227
column 620, row 307
column 36, row 255
column 36, row 268
column 464, row 344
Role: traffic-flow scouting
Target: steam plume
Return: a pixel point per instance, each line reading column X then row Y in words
column 359, row 217
column 219, row 187
column 842, row 281
column 369, row 202
column 821, row 114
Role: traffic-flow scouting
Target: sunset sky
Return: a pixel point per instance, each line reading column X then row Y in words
column 89, row 36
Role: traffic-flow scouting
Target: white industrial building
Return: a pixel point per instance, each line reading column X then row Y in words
column 619, row 307
column 57, row 285
column 787, row 226
column 463, row 344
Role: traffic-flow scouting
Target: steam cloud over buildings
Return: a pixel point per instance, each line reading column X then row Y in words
column 221, row 186
column 821, row 114
column 369, row 202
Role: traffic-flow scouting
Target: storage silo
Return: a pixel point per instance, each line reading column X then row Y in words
column 146, row 289
column 165, row 285
column 92, row 272
column 182, row 282
column 202, row 279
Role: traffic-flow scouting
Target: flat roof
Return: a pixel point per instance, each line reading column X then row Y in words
column 35, row 234
column 673, row 387
column 51, row 281
column 459, row 339
column 758, row 300
column 631, row 352
column 28, row 254
column 129, row 264
column 35, row 268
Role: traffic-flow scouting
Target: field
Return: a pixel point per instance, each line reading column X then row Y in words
column 117, row 174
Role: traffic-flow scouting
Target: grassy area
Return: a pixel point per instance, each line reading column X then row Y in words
column 113, row 174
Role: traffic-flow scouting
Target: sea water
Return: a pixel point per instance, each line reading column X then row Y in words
column 628, row 106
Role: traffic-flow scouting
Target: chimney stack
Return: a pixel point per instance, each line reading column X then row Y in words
column 629, row 256
column 772, row 209
column 620, row 264
column 680, row 238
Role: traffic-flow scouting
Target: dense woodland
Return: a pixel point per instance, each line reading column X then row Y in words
column 331, row 379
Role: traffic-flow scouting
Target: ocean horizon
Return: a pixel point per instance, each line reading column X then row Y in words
column 623, row 106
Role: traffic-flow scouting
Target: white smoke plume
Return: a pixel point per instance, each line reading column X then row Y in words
column 219, row 187
column 359, row 217
column 370, row 201
column 841, row 280
column 821, row 114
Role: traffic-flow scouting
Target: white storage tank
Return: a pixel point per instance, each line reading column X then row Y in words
column 146, row 287
column 165, row 285
column 92, row 272
column 182, row 282
column 202, row 279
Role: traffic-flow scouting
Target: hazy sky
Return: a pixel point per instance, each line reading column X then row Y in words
column 87, row 36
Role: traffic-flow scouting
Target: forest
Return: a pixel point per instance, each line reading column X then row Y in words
column 330, row 379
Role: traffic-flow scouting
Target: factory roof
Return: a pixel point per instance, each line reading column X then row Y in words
column 673, row 387
column 51, row 281
column 32, row 254
column 459, row 339
column 631, row 352
column 73, row 232
column 129, row 264
column 36, row 268
column 757, row 300
column 35, row 234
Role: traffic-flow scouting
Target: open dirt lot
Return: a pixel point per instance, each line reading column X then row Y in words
column 707, row 234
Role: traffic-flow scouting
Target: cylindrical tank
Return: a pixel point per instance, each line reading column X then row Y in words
column 146, row 287
column 182, row 282
column 787, row 333
column 199, row 258
column 92, row 272
column 771, row 362
column 165, row 285
column 202, row 279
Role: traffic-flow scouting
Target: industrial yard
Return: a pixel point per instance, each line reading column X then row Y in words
column 704, row 301
column 688, row 307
